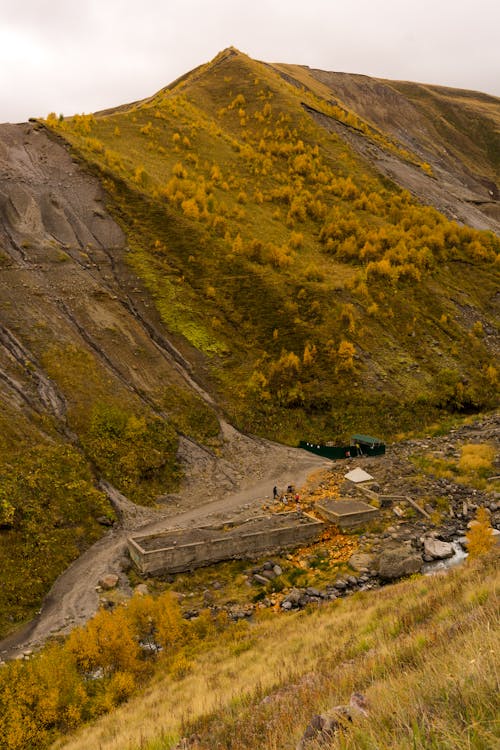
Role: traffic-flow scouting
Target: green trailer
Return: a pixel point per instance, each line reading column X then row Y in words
column 360, row 445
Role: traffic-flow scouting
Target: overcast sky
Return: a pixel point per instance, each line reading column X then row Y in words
column 84, row 55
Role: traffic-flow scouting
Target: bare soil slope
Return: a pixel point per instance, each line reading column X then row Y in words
column 456, row 132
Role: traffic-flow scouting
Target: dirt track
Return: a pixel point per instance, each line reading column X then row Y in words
column 73, row 597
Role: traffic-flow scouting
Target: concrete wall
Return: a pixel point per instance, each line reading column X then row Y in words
column 237, row 546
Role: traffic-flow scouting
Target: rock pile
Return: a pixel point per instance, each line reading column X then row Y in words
column 298, row 598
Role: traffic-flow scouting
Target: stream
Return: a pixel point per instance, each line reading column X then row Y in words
column 450, row 562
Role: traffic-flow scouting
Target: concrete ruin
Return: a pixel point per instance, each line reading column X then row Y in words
column 177, row 550
column 347, row 514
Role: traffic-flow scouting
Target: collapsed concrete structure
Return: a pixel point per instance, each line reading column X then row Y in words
column 347, row 514
column 177, row 550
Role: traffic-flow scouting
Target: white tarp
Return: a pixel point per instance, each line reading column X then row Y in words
column 358, row 475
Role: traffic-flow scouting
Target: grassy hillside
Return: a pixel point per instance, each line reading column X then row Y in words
column 322, row 297
column 423, row 652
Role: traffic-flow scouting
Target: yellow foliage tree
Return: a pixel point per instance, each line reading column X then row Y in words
column 106, row 644
column 310, row 352
column 480, row 536
column 171, row 627
column 179, row 171
column 190, row 208
column 345, row 356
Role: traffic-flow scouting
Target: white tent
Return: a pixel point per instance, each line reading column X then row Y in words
column 358, row 475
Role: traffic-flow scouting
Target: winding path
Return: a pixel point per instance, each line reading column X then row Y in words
column 73, row 598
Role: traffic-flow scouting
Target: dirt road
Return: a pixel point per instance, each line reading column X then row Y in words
column 73, row 598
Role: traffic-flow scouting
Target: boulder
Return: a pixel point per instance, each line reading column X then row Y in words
column 437, row 550
column 398, row 562
column 322, row 728
column 108, row 581
column 311, row 591
column 361, row 561
column 294, row 596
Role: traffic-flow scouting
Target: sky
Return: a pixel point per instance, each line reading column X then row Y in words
column 69, row 56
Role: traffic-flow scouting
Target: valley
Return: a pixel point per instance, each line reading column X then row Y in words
column 190, row 284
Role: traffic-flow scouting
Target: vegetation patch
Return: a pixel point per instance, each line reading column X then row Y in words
column 48, row 512
column 474, row 465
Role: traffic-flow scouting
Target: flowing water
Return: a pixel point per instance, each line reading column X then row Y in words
column 437, row 565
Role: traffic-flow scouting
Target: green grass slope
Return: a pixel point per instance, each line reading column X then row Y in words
column 321, row 297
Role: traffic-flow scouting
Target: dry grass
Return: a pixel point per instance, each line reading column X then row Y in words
column 423, row 652
column 474, row 466
column 477, row 458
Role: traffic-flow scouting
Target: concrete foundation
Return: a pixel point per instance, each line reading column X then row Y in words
column 178, row 550
column 347, row 514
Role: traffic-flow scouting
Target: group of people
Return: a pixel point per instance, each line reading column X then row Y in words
column 286, row 497
column 358, row 451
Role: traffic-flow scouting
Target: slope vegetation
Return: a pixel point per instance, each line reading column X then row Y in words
column 315, row 288
column 236, row 248
column 422, row 652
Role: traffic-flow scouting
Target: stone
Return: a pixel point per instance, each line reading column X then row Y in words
column 319, row 732
column 361, row 561
column 277, row 570
column 104, row 521
column 294, row 596
column 398, row 562
column 269, row 574
column 437, row 550
column 141, row 589
column 260, row 578
column 108, row 581
column 286, row 605
column 322, row 728
column 310, row 591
